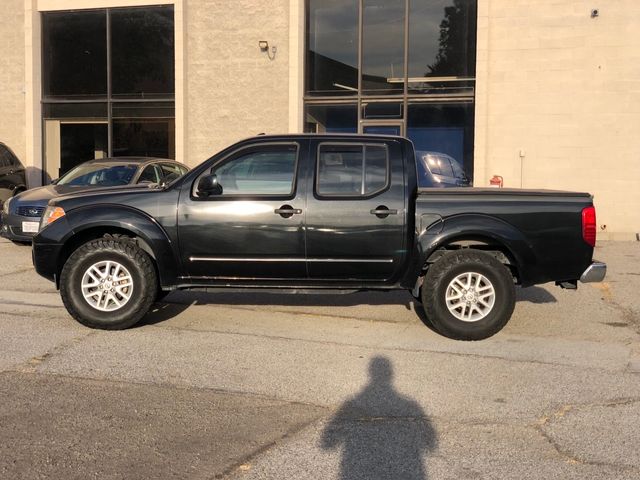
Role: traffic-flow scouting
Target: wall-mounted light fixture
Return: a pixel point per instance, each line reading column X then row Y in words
column 264, row 47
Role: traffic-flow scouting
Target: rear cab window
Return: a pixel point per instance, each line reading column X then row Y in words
column 351, row 170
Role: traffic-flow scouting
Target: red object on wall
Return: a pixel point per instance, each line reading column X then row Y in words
column 496, row 181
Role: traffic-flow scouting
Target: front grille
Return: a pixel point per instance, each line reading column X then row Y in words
column 30, row 211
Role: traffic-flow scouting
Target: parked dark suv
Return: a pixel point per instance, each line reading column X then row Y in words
column 12, row 177
column 436, row 169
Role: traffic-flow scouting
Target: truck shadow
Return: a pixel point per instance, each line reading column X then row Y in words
column 177, row 302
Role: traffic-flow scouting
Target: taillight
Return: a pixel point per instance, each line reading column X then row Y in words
column 589, row 225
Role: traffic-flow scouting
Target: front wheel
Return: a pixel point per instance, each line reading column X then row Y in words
column 108, row 283
column 468, row 295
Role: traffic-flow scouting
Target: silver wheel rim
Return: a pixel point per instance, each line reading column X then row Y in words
column 107, row 286
column 470, row 297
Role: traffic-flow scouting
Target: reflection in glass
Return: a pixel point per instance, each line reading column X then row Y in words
column 75, row 110
column 80, row 142
column 74, row 53
column 331, row 119
column 373, row 110
column 444, row 128
column 144, row 137
column 442, row 43
column 383, row 46
column 259, row 173
column 142, row 52
column 332, row 47
column 99, row 174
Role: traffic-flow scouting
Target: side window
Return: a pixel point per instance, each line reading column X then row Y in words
column 171, row 171
column 150, row 174
column 269, row 170
column 5, row 157
column 351, row 170
column 457, row 169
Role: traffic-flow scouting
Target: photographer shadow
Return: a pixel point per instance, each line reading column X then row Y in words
column 382, row 433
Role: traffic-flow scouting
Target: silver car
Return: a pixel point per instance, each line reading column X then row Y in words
column 21, row 214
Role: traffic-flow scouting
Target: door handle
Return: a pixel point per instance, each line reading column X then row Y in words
column 287, row 211
column 382, row 211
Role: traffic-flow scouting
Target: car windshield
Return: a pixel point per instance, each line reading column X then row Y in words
column 99, row 174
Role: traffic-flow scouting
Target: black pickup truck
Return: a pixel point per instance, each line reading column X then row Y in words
column 312, row 213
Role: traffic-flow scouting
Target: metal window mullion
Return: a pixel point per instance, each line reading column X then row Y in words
column 405, row 100
column 364, row 167
column 109, row 103
column 360, row 43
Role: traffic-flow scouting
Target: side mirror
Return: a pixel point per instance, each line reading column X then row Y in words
column 208, row 185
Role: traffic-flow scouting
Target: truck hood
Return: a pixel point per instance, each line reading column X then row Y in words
column 101, row 192
column 42, row 195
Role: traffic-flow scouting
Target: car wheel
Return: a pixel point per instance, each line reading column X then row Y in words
column 468, row 295
column 108, row 283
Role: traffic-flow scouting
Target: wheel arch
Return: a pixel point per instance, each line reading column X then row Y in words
column 92, row 223
column 480, row 232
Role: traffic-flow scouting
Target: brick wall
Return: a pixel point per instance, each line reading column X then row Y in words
column 12, row 74
column 565, row 89
column 233, row 89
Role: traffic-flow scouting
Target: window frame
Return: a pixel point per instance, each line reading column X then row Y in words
column 358, row 196
column 248, row 196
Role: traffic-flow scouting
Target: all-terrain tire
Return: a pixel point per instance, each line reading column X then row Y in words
column 445, row 298
column 125, row 252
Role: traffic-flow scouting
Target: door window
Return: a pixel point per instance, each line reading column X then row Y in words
column 269, row 170
column 172, row 172
column 351, row 170
column 151, row 174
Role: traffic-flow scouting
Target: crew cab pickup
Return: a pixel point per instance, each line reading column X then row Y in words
column 329, row 213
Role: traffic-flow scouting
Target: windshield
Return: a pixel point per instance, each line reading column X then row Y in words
column 99, row 174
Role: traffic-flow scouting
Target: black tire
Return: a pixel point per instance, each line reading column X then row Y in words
column 444, row 271
column 129, row 255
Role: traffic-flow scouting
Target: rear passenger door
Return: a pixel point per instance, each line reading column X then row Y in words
column 356, row 211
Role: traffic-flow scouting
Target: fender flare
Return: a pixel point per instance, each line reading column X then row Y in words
column 477, row 226
column 124, row 219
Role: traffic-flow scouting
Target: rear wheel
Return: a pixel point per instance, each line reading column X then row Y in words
column 468, row 295
column 108, row 283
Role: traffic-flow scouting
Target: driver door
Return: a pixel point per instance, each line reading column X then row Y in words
column 254, row 229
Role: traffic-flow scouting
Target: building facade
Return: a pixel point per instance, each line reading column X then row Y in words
column 545, row 94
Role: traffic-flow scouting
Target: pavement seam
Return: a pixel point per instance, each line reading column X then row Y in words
column 31, row 365
column 239, row 393
column 395, row 349
column 244, row 462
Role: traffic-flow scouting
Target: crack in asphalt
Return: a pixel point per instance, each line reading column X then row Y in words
column 564, row 452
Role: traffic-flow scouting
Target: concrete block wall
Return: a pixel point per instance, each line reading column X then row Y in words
column 563, row 89
column 233, row 89
column 12, row 77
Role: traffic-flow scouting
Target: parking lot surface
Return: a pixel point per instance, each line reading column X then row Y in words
column 259, row 386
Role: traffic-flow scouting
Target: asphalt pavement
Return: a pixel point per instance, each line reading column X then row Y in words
column 262, row 386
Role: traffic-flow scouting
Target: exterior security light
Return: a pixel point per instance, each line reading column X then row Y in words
column 264, row 45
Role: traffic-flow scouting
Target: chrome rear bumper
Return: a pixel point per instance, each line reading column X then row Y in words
column 594, row 273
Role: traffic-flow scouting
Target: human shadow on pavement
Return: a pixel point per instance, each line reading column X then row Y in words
column 382, row 433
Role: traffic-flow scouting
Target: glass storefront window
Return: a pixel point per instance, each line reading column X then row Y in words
column 442, row 45
column 332, row 47
column 142, row 52
column 331, row 119
column 103, row 120
column 74, row 54
column 444, row 128
column 383, row 47
column 144, row 137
